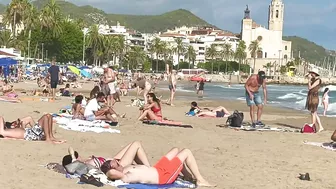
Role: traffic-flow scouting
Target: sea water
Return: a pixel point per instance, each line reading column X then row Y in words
column 285, row 96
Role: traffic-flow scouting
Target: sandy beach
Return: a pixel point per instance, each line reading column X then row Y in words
column 226, row 157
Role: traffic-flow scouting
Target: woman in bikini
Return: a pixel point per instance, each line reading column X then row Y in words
column 8, row 90
column 135, row 148
column 325, row 100
column 152, row 110
column 314, row 84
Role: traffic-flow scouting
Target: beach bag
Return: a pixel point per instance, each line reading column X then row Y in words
column 308, row 129
column 236, row 119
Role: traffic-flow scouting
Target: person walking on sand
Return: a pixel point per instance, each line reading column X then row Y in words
column 325, row 100
column 54, row 74
column 314, row 84
column 253, row 97
column 172, row 85
column 110, row 81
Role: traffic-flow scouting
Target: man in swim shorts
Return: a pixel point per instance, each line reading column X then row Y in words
column 253, row 97
column 172, row 84
column 165, row 171
column 42, row 130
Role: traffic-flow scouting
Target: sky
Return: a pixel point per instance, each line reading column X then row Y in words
column 310, row 19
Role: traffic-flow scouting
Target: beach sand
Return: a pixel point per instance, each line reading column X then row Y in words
column 226, row 157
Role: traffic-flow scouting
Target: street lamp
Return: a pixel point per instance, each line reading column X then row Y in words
column 85, row 31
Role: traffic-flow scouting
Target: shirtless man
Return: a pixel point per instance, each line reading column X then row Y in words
column 165, row 171
column 110, row 79
column 253, row 97
column 42, row 130
column 143, row 86
column 172, row 84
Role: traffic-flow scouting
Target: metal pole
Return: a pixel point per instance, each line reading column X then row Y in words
column 47, row 55
column 83, row 48
column 42, row 52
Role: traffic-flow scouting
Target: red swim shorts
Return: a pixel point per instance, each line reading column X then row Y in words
column 168, row 170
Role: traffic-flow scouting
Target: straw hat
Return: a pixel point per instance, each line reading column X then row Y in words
column 315, row 71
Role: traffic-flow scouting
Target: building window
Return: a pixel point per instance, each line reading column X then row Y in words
column 259, row 54
column 285, row 48
column 285, row 57
column 277, row 14
column 265, row 54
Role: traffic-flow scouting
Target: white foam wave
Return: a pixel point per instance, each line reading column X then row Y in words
column 227, row 87
column 241, row 98
column 291, row 96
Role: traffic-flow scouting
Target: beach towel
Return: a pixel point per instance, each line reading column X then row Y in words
column 326, row 145
column 85, row 126
column 177, row 184
column 274, row 129
column 167, row 123
column 14, row 100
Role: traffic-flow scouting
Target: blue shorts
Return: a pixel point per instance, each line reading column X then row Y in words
column 90, row 118
column 256, row 99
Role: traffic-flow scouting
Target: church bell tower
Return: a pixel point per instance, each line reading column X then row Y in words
column 276, row 15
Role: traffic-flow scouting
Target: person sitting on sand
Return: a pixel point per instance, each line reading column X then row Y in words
column 42, row 130
column 194, row 109
column 165, row 171
column 8, row 90
column 93, row 111
column 151, row 110
column 77, row 108
column 123, row 89
column 97, row 161
column 66, row 91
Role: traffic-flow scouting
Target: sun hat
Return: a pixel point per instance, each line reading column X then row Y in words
column 315, row 71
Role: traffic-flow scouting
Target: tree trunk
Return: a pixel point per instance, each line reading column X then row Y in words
column 226, row 66
column 239, row 62
column 178, row 61
column 212, row 62
column 254, row 61
column 157, row 63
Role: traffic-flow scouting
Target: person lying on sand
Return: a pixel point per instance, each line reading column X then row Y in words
column 21, row 123
column 97, row 161
column 42, row 130
column 93, row 111
column 151, row 110
column 165, row 171
column 218, row 112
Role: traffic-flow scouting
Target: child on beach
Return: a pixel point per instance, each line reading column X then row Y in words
column 325, row 100
column 77, row 108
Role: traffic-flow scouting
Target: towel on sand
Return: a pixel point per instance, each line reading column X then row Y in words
column 177, row 184
column 326, row 145
column 84, row 126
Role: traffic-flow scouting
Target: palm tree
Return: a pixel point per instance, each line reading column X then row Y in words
column 157, row 47
column 136, row 57
column 51, row 18
column 191, row 55
column 94, row 41
column 6, row 39
column 226, row 54
column 240, row 53
column 268, row 67
column 179, row 49
column 15, row 13
column 211, row 53
column 254, row 48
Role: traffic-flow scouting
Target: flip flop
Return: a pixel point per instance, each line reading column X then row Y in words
column 90, row 180
column 304, row 177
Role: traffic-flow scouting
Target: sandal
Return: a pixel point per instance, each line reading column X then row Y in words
column 90, row 180
column 304, row 177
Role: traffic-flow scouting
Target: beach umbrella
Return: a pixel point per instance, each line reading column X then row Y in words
column 85, row 74
column 74, row 70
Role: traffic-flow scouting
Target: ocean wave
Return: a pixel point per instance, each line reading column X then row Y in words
column 291, row 96
column 241, row 98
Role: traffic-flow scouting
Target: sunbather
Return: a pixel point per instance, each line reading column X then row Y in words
column 152, row 110
column 135, row 147
column 218, row 112
column 40, row 131
column 165, row 171
column 77, row 108
column 8, row 90
column 21, row 123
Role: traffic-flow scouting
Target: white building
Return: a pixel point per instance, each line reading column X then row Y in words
column 273, row 48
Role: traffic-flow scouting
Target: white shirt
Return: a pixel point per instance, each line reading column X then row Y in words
column 91, row 107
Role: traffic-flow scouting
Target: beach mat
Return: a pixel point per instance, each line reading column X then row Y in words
column 177, row 184
column 326, row 145
column 262, row 129
column 10, row 100
column 167, row 123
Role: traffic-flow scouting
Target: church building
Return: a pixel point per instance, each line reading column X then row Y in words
column 273, row 49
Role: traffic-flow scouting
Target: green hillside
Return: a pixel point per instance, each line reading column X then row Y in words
column 2, row 8
column 143, row 23
column 310, row 51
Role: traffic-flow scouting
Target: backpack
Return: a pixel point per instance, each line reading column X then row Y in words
column 236, row 119
column 308, row 129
